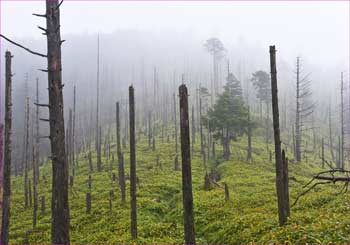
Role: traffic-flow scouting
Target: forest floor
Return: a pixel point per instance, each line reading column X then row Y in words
column 250, row 215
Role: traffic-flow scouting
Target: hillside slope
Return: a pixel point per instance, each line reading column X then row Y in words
column 250, row 215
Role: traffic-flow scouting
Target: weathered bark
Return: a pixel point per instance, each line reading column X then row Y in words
column 193, row 131
column 132, row 163
column 282, row 210
column 59, row 204
column 285, row 183
column 26, row 184
column 186, row 167
column 5, row 222
column 121, row 174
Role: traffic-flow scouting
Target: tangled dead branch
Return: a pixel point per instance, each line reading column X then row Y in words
column 327, row 177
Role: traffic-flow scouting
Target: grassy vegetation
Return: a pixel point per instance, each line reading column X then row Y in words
column 250, row 215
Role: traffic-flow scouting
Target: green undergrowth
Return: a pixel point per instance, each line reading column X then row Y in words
column 250, row 215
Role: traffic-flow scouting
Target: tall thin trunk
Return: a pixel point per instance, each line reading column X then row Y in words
column 98, row 138
column 193, row 131
column 322, row 153
column 341, row 150
column 280, row 186
column 5, row 222
column 73, row 130
column 35, row 191
column 297, row 117
column 26, row 184
column 330, row 131
column 98, row 93
column 120, row 157
column 200, row 125
column 132, row 163
column 175, row 124
column 149, row 129
column 59, row 204
column 186, row 167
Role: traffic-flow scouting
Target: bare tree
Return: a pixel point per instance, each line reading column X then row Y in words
column 304, row 107
column 26, row 184
column 280, row 179
column 5, row 222
column 120, row 156
column 186, row 167
column 342, row 123
column 132, row 163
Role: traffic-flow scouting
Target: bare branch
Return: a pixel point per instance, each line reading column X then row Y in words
column 27, row 49
column 40, row 15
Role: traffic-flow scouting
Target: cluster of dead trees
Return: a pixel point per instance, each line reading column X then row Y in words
column 65, row 149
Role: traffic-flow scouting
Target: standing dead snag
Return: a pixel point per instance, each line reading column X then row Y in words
column 132, row 163
column 120, row 156
column 26, row 184
column 186, row 167
column 35, row 191
column 176, row 163
column 341, row 144
column 59, row 206
column 281, row 196
column 5, row 222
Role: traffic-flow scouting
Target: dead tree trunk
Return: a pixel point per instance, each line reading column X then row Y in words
column 201, row 126
column 26, row 185
column 341, row 149
column 330, row 131
column 285, row 183
column 186, row 167
column 35, row 191
column 297, row 117
column 99, row 162
column 37, row 136
column 281, row 195
column 60, row 206
column 193, row 131
column 149, row 129
column 73, row 132
column 322, row 152
column 176, row 137
column 132, row 163
column 5, row 222
column 98, row 94
column 120, row 157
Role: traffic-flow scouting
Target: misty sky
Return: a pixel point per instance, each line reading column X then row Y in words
column 316, row 30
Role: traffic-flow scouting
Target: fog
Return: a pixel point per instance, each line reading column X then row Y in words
column 136, row 37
